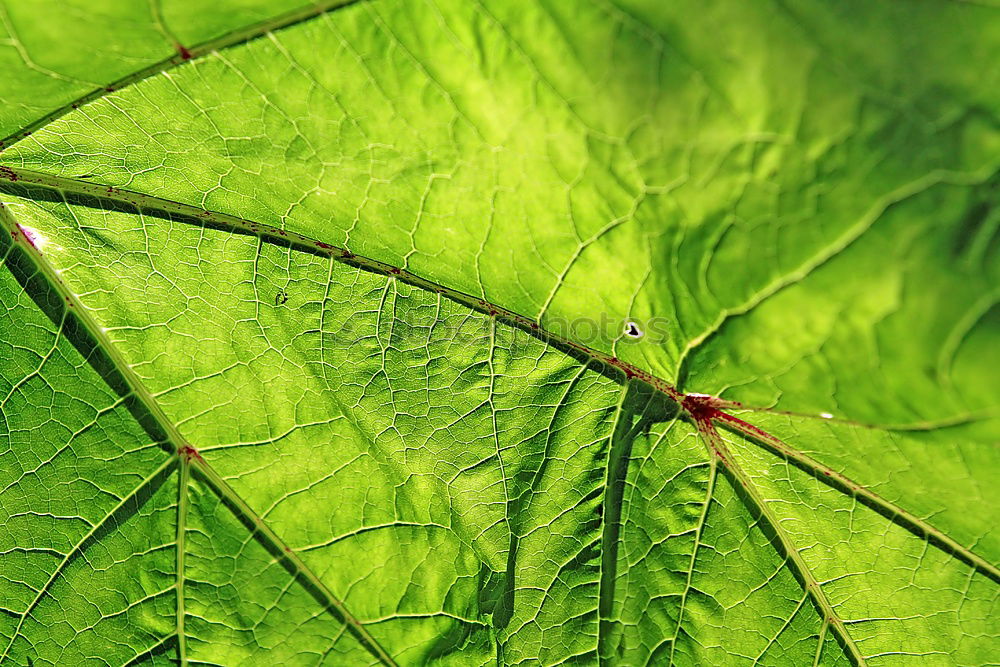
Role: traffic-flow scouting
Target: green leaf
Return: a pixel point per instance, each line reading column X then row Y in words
column 553, row 332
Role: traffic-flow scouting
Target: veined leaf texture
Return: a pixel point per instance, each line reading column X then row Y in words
column 437, row 332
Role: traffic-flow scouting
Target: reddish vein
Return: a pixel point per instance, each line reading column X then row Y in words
column 704, row 410
column 895, row 512
column 704, row 413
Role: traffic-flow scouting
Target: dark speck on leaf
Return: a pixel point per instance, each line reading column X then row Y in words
column 632, row 330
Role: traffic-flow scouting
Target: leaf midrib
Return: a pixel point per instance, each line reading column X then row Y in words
column 622, row 369
column 196, row 215
column 183, row 453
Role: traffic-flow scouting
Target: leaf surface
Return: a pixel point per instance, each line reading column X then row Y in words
column 315, row 339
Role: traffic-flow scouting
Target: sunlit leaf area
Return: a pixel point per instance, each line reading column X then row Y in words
column 499, row 332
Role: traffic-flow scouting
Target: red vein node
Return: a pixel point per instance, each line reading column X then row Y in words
column 702, row 407
column 187, row 452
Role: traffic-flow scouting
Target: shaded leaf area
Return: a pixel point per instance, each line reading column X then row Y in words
column 71, row 436
column 91, row 574
column 920, row 286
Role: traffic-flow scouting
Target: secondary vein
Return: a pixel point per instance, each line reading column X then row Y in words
column 182, row 55
column 718, row 449
column 183, row 451
column 195, row 215
column 236, row 502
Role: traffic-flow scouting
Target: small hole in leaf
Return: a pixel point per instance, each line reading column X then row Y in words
column 632, row 330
